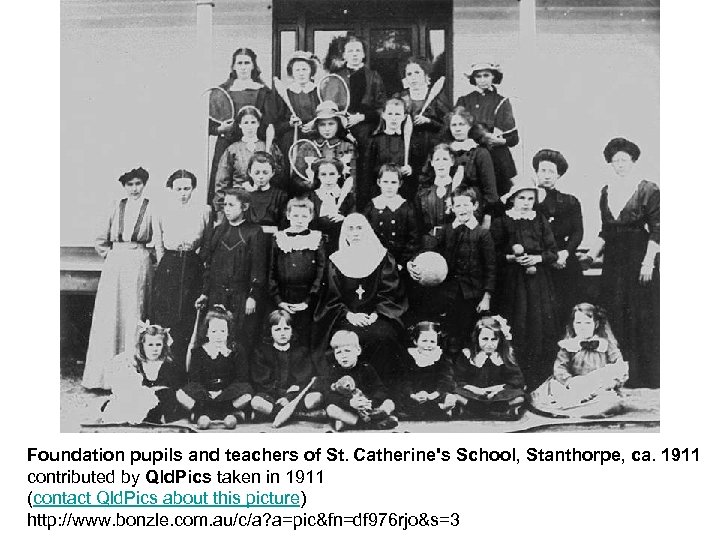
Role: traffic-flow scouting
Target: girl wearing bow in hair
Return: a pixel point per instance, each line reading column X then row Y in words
column 144, row 380
column 493, row 111
column 489, row 382
column 589, row 370
column 364, row 295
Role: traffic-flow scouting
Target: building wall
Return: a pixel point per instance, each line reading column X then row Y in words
column 131, row 94
column 594, row 75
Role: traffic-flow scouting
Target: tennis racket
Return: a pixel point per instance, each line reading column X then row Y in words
column 334, row 88
column 302, row 155
column 221, row 107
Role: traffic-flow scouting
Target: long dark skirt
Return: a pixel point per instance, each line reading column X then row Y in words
column 177, row 287
column 529, row 304
column 568, row 288
column 633, row 308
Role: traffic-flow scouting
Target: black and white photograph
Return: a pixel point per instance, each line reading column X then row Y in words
column 313, row 216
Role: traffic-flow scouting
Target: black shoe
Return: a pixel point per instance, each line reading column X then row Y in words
column 391, row 422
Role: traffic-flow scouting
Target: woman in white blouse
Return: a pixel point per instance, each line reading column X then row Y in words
column 123, row 295
column 179, row 228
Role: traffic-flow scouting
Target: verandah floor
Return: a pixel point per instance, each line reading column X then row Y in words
column 79, row 407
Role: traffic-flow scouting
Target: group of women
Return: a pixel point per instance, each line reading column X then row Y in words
column 133, row 289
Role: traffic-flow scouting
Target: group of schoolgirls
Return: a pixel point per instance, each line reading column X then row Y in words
column 268, row 251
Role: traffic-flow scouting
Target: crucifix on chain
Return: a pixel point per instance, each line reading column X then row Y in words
column 360, row 291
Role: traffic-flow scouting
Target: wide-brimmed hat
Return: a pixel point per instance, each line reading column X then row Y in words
column 522, row 185
column 329, row 109
column 303, row 56
column 495, row 69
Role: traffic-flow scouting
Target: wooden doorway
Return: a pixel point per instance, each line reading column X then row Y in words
column 393, row 30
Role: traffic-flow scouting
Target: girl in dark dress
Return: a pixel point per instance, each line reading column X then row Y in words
column 426, row 385
column 245, row 87
column 303, row 96
column 489, row 382
column 433, row 203
column 236, row 267
column 494, row 112
column 474, row 165
column 331, row 201
column 564, row 214
column 525, row 295
column 297, row 268
column 393, row 218
column 415, row 73
column 234, row 165
column 218, row 385
column 180, row 228
column 367, row 92
column 630, row 242
column 281, row 368
column 144, row 380
column 363, row 294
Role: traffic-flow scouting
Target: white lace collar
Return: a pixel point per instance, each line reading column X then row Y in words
column 516, row 215
column 298, row 242
column 470, row 223
column 295, row 88
column 466, row 145
column 393, row 204
column 481, row 358
column 330, row 143
column 284, row 348
column 214, row 350
column 425, row 359
column 573, row 345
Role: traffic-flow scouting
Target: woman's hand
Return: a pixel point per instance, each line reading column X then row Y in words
column 355, row 118
column 226, row 127
column 421, row 119
column 562, row 259
column 250, row 305
column 336, row 218
column 413, row 270
column 524, row 260
column 295, row 121
column 484, row 304
column 406, row 170
column 646, row 273
column 201, row 302
column 307, row 127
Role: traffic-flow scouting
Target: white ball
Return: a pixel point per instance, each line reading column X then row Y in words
column 432, row 268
